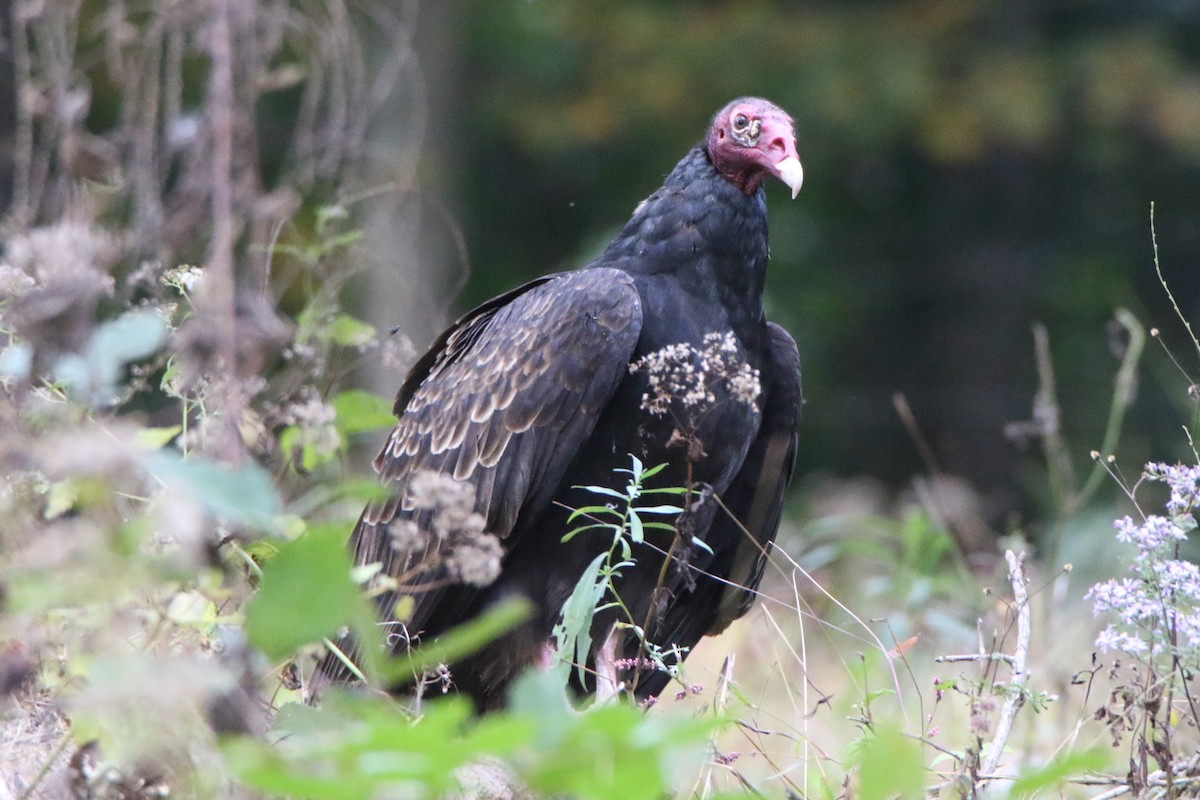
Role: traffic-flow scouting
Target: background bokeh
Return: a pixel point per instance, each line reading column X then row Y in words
column 972, row 168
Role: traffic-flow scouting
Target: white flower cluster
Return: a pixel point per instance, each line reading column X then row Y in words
column 1158, row 608
column 185, row 278
column 683, row 378
column 314, row 420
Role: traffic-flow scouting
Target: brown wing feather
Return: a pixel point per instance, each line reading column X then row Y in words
column 503, row 400
column 561, row 347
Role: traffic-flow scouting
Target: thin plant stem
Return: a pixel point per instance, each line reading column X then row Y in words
column 1170, row 295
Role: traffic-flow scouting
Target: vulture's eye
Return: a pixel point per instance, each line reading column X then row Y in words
column 740, row 122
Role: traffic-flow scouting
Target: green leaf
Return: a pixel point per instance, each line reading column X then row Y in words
column 576, row 531
column 635, row 526
column 604, row 490
column 650, row 473
column 244, row 495
column 305, row 594
column 659, row 509
column 174, row 368
column 572, row 634
column 311, row 457
column 342, row 240
column 593, row 511
column 609, row 751
column 541, row 695
column 16, row 360
column 361, row 574
column 357, row 746
column 61, row 498
column 1052, row 775
column 350, row 332
column 327, row 214
column 94, row 374
column 890, row 766
column 192, row 609
column 613, row 751
column 358, row 411
column 133, row 335
column 156, row 438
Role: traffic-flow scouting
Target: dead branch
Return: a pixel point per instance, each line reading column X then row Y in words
column 1016, row 687
column 1005, row 657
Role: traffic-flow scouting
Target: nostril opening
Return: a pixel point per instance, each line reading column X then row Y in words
column 777, row 144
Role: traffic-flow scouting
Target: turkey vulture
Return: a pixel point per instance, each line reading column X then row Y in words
column 657, row 349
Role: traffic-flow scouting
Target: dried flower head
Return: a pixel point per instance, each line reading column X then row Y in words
column 65, row 254
column 407, row 536
column 444, row 513
column 682, row 379
column 430, row 489
column 475, row 559
column 397, row 352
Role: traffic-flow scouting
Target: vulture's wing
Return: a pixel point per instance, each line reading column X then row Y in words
column 755, row 500
column 756, row 496
column 502, row 401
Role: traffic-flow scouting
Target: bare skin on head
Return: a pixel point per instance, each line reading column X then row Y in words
column 751, row 138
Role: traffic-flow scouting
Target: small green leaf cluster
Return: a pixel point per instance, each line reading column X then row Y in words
column 596, row 591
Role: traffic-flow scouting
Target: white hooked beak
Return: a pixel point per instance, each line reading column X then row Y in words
column 791, row 173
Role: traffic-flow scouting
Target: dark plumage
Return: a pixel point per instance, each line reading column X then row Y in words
column 532, row 393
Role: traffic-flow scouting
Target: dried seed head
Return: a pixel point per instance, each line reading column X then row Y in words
column 683, row 379
column 475, row 559
column 429, row 489
column 406, row 536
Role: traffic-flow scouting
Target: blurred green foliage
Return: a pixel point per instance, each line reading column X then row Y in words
column 359, row 747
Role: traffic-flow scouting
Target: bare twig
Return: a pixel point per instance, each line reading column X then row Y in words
column 1016, row 687
column 1111, row 793
column 1157, row 780
column 1158, row 270
column 1005, row 657
column 900, row 403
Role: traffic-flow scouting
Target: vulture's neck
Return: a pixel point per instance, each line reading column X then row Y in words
column 703, row 229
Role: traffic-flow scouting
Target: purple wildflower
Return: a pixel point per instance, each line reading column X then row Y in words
column 1159, row 606
column 1184, row 480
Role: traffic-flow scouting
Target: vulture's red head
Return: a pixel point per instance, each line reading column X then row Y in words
column 751, row 138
